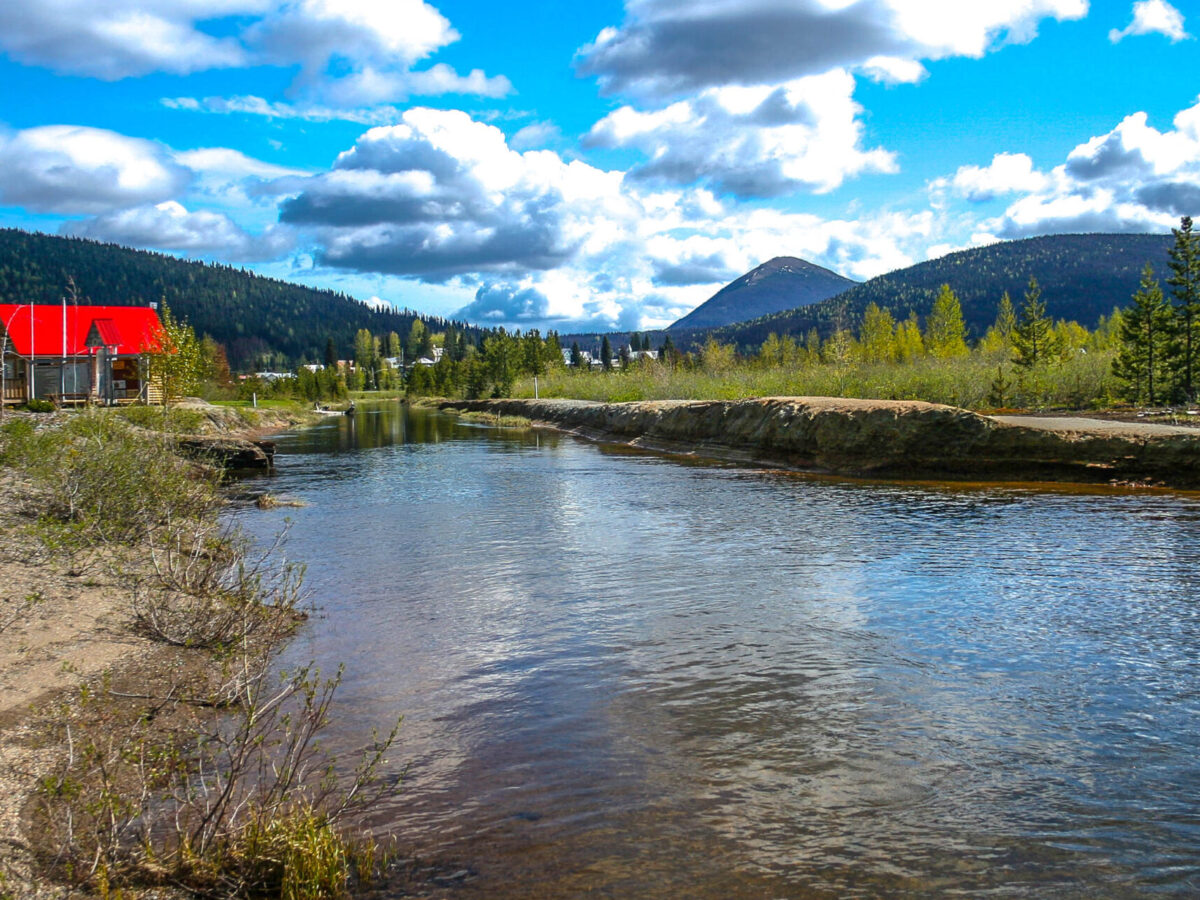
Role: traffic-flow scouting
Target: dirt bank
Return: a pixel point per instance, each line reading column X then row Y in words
column 60, row 629
column 883, row 438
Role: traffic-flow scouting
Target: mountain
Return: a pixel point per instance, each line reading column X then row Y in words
column 1082, row 276
column 260, row 321
column 778, row 284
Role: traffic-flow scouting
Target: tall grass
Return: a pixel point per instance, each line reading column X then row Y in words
column 1082, row 381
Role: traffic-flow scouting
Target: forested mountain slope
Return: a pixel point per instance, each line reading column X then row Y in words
column 261, row 321
column 1082, row 276
column 782, row 283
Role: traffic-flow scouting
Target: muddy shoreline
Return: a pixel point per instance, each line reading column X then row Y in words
column 880, row 438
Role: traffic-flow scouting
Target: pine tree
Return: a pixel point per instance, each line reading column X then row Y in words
column 606, row 356
column 1145, row 329
column 668, row 351
column 945, row 332
column 1185, row 289
column 998, row 338
column 1033, row 339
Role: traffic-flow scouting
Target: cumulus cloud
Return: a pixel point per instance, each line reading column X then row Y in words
column 668, row 48
column 1152, row 17
column 1008, row 173
column 441, row 194
column 119, row 40
column 72, row 169
column 170, row 226
column 348, row 52
column 1134, row 178
column 371, row 47
column 751, row 141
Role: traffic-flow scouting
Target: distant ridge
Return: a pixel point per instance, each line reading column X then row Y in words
column 1082, row 277
column 782, row 283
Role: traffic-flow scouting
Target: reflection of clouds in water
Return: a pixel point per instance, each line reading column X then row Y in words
column 621, row 672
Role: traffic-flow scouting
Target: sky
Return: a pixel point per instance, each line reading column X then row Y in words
column 597, row 166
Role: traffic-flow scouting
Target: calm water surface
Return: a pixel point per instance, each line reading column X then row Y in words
column 627, row 676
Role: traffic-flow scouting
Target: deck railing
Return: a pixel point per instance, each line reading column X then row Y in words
column 14, row 390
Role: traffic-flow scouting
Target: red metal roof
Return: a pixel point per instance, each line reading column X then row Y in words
column 40, row 329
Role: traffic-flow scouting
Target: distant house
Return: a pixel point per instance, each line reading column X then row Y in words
column 77, row 354
column 434, row 357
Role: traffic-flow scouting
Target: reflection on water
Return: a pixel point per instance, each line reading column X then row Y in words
column 631, row 677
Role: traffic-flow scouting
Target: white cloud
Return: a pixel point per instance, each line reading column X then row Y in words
column 309, row 112
column 1153, row 17
column 170, row 226
column 894, row 70
column 349, row 52
column 1008, row 173
column 441, row 194
column 1134, row 178
column 72, row 169
column 118, row 40
column 668, row 48
column 751, row 141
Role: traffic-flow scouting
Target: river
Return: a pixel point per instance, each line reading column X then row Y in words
column 632, row 676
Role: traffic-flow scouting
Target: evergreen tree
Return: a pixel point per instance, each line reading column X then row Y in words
column 1145, row 330
column 1034, row 340
column 998, row 338
column 945, row 331
column 576, row 356
column 331, row 357
column 553, row 350
column 669, row 354
column 1185, row 289
column 606, row 356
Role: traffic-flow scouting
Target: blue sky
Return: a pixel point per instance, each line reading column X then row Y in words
column 591, row 166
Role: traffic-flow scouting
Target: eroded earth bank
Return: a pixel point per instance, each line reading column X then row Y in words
column 887, row 438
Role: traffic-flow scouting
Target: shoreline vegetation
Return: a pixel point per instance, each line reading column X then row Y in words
column 147, row 741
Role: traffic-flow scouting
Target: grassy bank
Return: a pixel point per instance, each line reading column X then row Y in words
column 202, row 771
column 975, row 382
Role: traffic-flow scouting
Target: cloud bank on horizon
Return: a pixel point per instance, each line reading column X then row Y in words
column 590, row 181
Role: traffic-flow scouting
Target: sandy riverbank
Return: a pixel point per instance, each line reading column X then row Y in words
column 61, row 629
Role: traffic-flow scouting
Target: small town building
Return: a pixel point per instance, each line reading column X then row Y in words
column 77, row 354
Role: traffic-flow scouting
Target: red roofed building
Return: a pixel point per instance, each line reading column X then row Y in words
column 76, row 353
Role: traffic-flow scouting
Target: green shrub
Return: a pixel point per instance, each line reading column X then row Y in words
column 38, row 405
